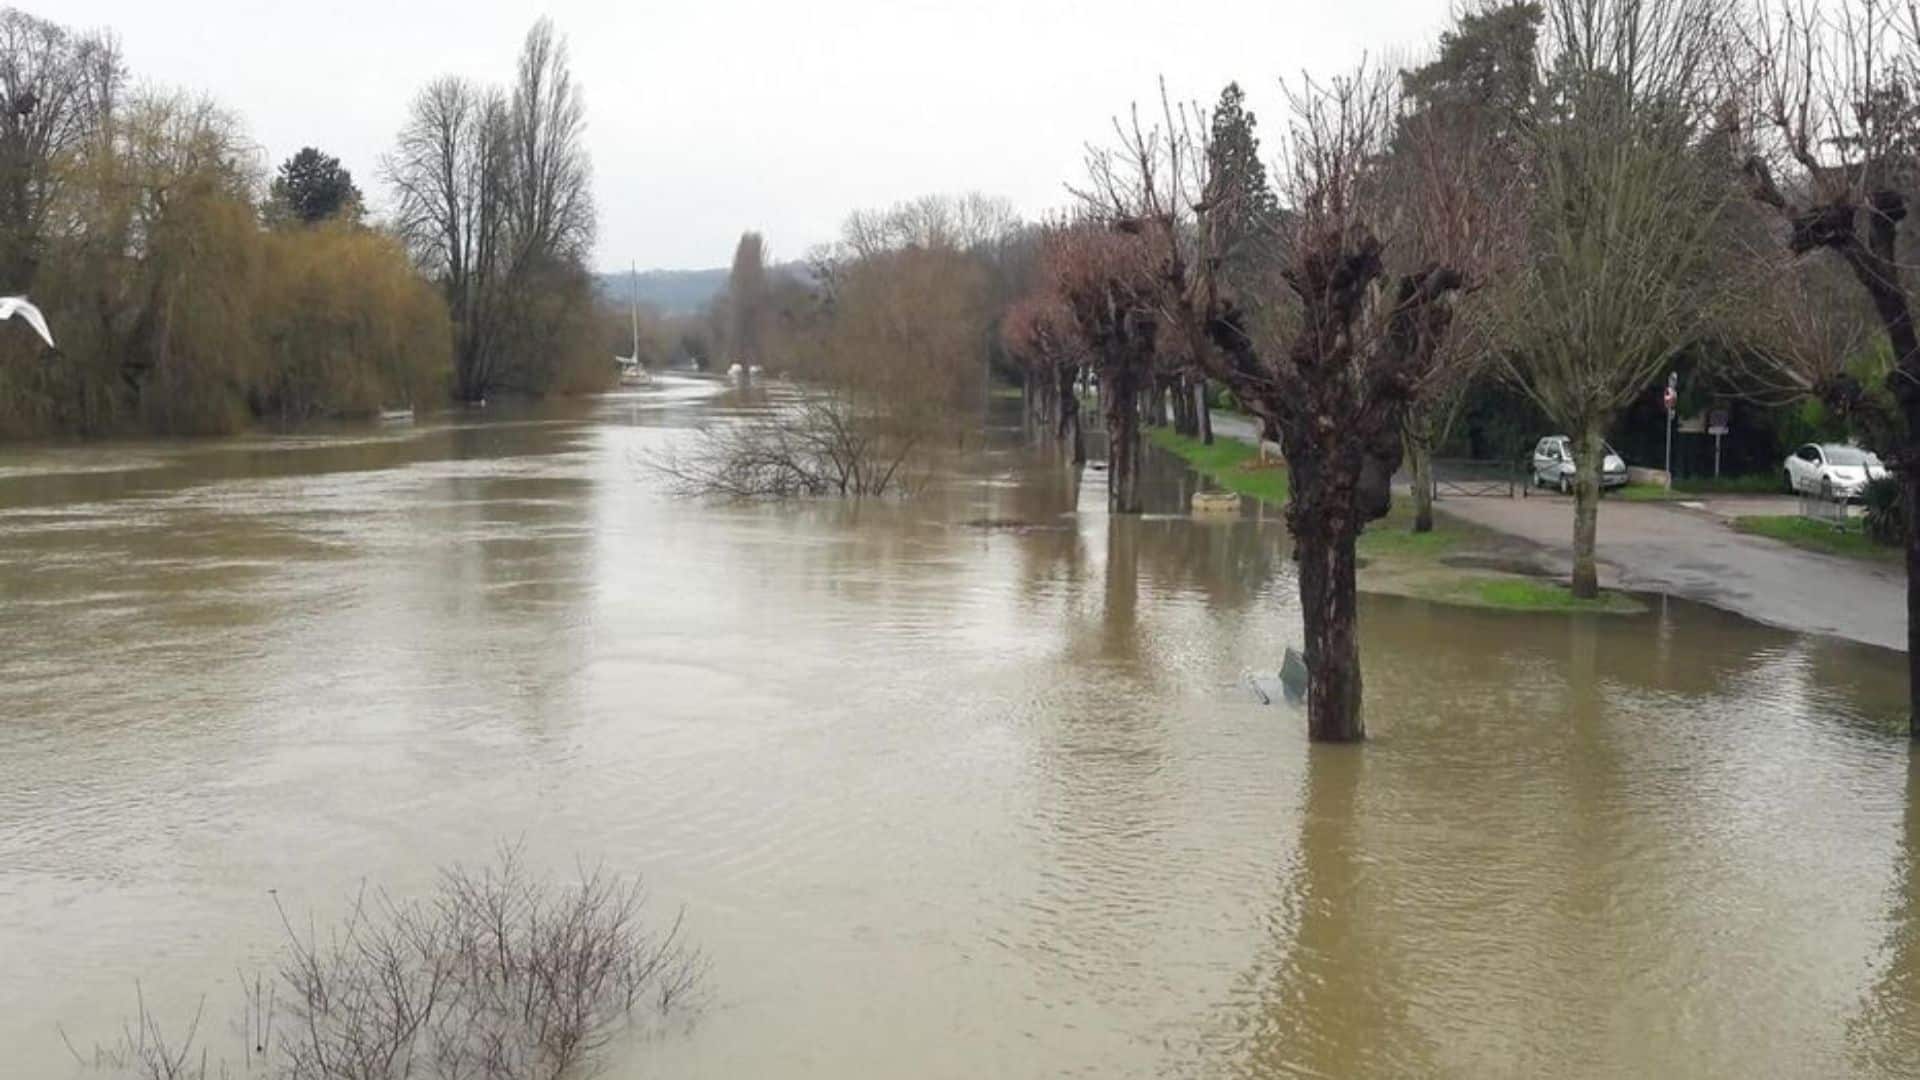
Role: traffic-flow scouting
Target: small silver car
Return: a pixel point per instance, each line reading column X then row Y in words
column 1553, row 465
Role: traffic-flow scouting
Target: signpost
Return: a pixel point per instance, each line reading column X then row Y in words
column 1716, row 427
column 1672, row 398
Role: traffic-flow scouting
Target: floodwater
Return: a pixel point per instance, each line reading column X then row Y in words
column 939, row 799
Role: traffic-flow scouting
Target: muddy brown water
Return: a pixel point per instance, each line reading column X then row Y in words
column 939, row 800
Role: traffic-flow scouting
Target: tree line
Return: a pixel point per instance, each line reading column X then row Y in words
column 191, row 294
column 1567, row 200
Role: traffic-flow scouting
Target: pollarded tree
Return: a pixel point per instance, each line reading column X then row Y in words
column 1625, row 207
column 1039, row 331
column 1102, row 275
column 1356, row 334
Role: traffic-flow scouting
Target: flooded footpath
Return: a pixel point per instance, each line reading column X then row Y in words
column 957, row 786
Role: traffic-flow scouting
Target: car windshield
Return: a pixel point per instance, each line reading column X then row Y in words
column 1847, row 455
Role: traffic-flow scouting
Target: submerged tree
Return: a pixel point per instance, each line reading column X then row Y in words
column 1333, row 358
column 1040, row 332
column 1103, row 277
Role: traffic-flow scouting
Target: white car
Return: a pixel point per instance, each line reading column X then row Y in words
column 1832, row 470
column 1553, row 465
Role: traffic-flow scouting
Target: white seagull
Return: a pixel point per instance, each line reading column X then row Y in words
column 21, row 306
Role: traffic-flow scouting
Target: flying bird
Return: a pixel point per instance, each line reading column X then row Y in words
column 21, row 306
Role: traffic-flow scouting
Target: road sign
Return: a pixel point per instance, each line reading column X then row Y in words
column 1671, row 398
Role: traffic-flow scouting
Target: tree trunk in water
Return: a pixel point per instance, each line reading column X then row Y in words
column 1910, row 489
column 1327, row 603
column 1067, row 424
column 1123, row 450
column 1420, row 464
column 1587, row 452
column 1206, row 414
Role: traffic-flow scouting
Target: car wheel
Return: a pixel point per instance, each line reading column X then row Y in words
column 1791, row 488
column 1566, row 486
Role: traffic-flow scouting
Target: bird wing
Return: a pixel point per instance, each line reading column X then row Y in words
column 21, row 306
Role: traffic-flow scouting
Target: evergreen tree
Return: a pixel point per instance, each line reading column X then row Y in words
column 1247, row 209
column 1485, row 72
column 312, row 187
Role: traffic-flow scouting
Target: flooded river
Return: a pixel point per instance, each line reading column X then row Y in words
column 939, row 799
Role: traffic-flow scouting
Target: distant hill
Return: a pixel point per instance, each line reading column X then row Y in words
column 682, row 292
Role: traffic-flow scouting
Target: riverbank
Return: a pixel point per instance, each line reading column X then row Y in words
column 1454, row 563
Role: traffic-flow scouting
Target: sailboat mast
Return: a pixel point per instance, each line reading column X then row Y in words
column 633, row 277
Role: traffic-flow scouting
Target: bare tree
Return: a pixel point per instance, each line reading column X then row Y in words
column 450, row 174
column 494, row 198
column 829, row 442
column 57, row 91
column 1834, row 155
column 551, row 177
column 1625, row 208
column 497, row 974
column 955, row 222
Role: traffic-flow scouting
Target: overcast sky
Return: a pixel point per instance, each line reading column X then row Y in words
column 707, row 117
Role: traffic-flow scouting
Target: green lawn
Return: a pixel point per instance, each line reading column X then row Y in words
column 1412, row 564
column 1750, row 484
column 1528, row 594
column 1232, row 464
column 1393, row 536
column 1820, row 536
column 1646, row 493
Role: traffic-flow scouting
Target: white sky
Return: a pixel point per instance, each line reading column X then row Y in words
column 707, row 117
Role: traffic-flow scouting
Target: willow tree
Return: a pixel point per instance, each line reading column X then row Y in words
column 1834, row 153
column 1366, row 274
column 1622, row 224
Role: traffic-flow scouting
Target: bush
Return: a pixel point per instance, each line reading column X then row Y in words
column 496, row 975
column 828, row 443
column 1885, row 518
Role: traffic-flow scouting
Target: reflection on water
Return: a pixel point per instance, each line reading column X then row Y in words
column 940, row 799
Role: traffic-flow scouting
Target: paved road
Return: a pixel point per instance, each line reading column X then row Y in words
column 1695, row 553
